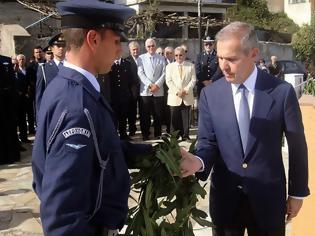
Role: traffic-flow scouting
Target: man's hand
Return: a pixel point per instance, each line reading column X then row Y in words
column 154, row 88
column 206, row 82
column 190, row 164
column 293, row 207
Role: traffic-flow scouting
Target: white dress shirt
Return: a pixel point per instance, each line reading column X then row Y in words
column 91, row 78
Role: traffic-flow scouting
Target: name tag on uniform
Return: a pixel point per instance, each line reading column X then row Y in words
column 76, row 130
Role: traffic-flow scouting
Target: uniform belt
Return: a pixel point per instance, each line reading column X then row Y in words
column 103, row 231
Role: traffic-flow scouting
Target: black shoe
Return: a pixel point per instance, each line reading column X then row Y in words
column 132, row 133
column 186, row 139
column 145, row 138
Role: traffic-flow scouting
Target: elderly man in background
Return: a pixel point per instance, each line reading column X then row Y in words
column 180, row 79
column 151, row 72
column 133, row 58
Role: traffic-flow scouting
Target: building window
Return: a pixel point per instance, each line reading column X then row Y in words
column 296, row 1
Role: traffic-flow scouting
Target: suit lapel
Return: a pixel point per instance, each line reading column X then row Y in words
column 262, row 105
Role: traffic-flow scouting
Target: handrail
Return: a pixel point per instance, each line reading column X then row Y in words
column 304, row 82
column 35, row 23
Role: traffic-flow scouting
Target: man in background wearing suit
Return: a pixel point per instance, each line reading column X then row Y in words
column 21, row 85
column 180, row 79
column 151, row 72
column 46, row 72
column 241, row 124
column 133, row 58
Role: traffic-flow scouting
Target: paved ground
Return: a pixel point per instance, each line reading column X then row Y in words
column 19, row 206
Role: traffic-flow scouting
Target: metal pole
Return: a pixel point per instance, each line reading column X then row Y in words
column 199, row 26
column 35, row 23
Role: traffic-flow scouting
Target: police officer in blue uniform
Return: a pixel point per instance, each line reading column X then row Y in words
column 123, row 81
column 79, row 162
column 47, row 71
column 207, row 66
column 9, row 146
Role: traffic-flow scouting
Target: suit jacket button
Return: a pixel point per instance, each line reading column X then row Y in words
column 244, row 165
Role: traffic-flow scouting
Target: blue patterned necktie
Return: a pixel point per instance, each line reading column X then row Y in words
column 243, row 116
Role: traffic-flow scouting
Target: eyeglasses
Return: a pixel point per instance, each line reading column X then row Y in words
column 49, row 53
column 208, row 44
column 178, row 55
column 160, row 53
column 150, row 46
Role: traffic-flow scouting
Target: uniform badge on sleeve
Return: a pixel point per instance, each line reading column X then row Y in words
column 76, row 130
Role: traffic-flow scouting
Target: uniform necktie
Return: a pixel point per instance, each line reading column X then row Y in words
column 60, row 65
column 243, row 116
column 180, row 69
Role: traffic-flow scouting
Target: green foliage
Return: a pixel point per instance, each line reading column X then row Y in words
column 309, row 87
column 256, row 12
column 167, row 203
column 304, row 44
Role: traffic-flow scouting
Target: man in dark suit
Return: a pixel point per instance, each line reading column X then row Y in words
column 207, row 66
column 31, row 73
column 9, row 146
column 133, row 58
column 47, row 71
column 21, row 85
column 79, row 167
column 241, row 125
column 122, row 79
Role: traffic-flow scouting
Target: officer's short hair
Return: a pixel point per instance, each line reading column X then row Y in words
column 244, row 31
column 74, row 37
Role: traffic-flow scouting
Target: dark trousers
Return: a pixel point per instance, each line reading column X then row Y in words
column 121, row 109
column 132, row 116
column 30, row 115
column 150, row 105
column 21, row 117
column 180, row 119
column 245, row 219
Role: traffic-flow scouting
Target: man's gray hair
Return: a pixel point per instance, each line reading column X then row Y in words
column 134, row 44
column 180, row 49
column 149, row 40
column 20, row 56
column 168, row 48
column 242, row 30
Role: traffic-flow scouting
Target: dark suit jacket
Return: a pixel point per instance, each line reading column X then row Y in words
column 259, row 172
column 51, row 70
column 134, row 74
column 122, row 80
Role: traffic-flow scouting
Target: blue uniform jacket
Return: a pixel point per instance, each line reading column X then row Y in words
column 51, row 70
column 80, row 174
column 259, row 172
column 207, row 68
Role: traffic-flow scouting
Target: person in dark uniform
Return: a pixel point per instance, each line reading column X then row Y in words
column 122, row 79
column 47, row 71
column 48, row 53
column 9, row 145
column 21, row 85
column 207, row 67
column 133, row 58
column 31, row 72
column 79, row 166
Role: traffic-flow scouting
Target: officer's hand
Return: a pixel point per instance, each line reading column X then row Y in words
column 293, row 207
column 189, row 164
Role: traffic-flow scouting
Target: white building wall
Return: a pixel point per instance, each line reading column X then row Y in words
column 300, row 13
